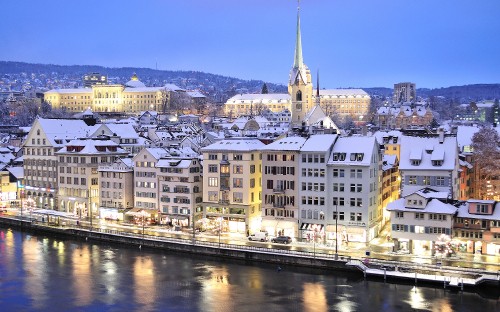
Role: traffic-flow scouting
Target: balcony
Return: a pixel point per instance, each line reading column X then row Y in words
column 223, row 201
column 279, row 190
column 225, row 188
column 278, row 205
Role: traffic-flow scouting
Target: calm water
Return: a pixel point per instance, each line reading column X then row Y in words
column 46, row 274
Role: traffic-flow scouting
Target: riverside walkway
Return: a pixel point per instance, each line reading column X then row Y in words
column 227, row 247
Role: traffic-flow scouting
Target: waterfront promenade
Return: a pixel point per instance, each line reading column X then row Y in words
column 379, row 265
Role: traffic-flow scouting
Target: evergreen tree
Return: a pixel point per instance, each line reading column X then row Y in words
column 264, row 89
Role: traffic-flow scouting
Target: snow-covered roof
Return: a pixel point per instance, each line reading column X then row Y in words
column 354, row 145
column 319, row 143
column 17, row 172
column 433, row 206
column 71, row 90
column 388, row 161
column 63, row 129
column 135, row 83
column 121, row 130
column 173, row 163
column 91, row 147
column 414, row 148
column 342, row 92
column 293, row 143
column 264, row 98
column 195, row 94
column 465, row 134
column 463, row 212
column 235, row 145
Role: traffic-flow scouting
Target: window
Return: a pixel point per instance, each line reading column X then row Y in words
column 252, row 168
column 212, row 168
column 356, row 188
column 237, row 182
column 400, row 214
column 338, row 173
column 237, row 157
column 338, row 187
column 338, row 201
column 440, row 181
column 356, row 202
column 437, row 162
column 412, row 180
column 482, row 208
column 213, row 181
column 238, row 169
column 213, row 196
column 252, row 183
column 237, row 197
column 212, row 156
column 426, row 180
column 419, row 216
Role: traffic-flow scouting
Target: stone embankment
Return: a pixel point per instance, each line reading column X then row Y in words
column 386, row 270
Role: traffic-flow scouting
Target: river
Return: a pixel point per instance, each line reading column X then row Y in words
column 40, row 273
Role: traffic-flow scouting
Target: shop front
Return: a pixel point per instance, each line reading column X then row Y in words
column 110, row 214
column 310, row 232
column 277, row 227
column 174, row 220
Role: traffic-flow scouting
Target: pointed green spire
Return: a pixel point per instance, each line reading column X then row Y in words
column 298, row 61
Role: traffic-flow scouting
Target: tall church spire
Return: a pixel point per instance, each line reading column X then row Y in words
column 298, row 60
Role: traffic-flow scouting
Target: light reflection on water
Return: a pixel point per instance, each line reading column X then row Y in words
column 44, row 274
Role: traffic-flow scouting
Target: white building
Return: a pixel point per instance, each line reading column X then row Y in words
column 354, row 172
column 429, row 162
column 314, row 182
column 419, row 219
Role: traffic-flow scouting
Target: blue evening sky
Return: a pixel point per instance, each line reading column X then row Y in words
column 354, row 43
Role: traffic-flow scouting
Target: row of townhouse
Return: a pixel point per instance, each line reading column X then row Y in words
column 311, row 188
column 428, row 222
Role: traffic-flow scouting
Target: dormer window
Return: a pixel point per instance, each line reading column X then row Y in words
column 357, row 156
column 482, row 208
column 395, row 140
column 415, row 162
column 437, row 162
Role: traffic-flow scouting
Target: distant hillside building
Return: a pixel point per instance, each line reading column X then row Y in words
column 404, row 92
column 300, row 98
column 133, row 97
column 94, row 79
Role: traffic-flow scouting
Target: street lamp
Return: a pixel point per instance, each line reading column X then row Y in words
column 336, row 232
column 220, row 228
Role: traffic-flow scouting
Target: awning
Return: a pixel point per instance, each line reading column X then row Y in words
column 312, row 227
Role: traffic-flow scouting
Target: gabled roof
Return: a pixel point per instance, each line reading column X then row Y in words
column 414, row 148
column 319, row 143
column 243, row 145
column 433, row 206
column 63, row 129
column 293, row 143
column 463, row 212
column 354, row 145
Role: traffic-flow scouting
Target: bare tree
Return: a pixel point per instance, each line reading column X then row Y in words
column 486, row 157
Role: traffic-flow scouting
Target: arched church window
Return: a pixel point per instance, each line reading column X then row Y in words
column 298, row 97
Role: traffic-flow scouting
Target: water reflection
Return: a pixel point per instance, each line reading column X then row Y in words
column 38, row 273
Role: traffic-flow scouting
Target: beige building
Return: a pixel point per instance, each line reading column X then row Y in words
column 133, row 97
column 116, row 182
column 46, row 137
column 232, row 185
column 78, row 163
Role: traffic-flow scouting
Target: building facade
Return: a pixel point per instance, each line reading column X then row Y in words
column 232, row 185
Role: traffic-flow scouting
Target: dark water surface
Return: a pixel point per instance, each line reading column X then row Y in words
column 47, row 274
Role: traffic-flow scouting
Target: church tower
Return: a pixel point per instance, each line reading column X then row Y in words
column 300, row 85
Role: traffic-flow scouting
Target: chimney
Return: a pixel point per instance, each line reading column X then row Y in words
column 440, row 132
